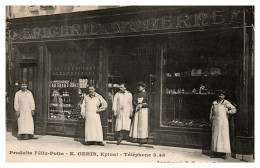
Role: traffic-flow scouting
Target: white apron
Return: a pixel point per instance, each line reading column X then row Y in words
column 123, row 108
column 93, row 127
column 24, row 103
column 139, row 128
column 220, row 128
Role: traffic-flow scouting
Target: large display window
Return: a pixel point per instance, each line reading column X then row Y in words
column 73, row 69
column 195, row 67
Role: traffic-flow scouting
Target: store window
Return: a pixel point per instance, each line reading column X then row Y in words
column 195, row 67
column 73, row 69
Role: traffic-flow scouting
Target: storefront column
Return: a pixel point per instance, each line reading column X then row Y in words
column 42, row 89
column 102, row 84
column 13, row 87
column 244, row 144
column 161, row 50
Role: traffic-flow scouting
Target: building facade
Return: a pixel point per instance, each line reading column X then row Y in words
column 183, row 54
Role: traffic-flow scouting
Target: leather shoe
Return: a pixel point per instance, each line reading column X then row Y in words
column 33, row 137
column 119, row 141
column 101, row 144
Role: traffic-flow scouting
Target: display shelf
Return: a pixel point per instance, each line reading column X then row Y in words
column 68, row 86
column 209, row 76
column 191, row 94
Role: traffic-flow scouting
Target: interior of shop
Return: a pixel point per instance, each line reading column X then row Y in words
column 74, row 67
column 198, row 65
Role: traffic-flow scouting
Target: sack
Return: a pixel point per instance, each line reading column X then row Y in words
column 215, row 71
column 196, row 72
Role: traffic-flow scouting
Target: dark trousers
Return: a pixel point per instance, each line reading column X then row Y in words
column 219, row 154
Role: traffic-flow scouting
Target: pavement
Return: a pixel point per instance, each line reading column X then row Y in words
column 49, row 148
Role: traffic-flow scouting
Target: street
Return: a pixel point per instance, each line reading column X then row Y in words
column 65, row 149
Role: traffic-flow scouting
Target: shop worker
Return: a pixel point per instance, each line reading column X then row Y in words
column 24, row 107
column 92, row 105
column 139, row 127
column 123, row 111
column 220, row 143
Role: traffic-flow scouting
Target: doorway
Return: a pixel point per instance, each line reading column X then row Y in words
column 27, row 74
column 131, row 61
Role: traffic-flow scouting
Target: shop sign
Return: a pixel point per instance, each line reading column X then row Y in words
column 170, row 22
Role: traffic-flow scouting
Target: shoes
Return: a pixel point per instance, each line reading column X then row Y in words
column 141, row 145
column 19, row 138
column 26, row 137
column 119, row 141
column 219, row 155
column 101, row 144
column 86, row 143
column 33, row 137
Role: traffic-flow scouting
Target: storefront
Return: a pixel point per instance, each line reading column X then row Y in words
column 183, row 54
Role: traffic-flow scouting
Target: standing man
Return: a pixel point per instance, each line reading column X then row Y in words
column 24, row 107
column 220, row 110
column 139, row 128
column 91, row 107
column 123, row 110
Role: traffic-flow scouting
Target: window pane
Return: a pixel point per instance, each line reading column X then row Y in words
column 24, row 74
column 197, row 66
column 71, row 74
column 31, row 78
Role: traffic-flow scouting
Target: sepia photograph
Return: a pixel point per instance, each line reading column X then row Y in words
column 122, row 83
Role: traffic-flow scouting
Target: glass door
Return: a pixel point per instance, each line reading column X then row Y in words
column 27, row 72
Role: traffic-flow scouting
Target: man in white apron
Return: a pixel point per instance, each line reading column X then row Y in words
column 123, row 110
column 91, row 107
column 24, row 107
column 220, row 143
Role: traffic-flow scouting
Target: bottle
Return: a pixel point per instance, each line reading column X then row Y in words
column 82, row 70
column 64, row 71
column 57, row 71
column 86, row 71
column 76, row 69
column 53, row 71
column 72, row 71
column 79, row 69
column 68, row 72
column 60, row 71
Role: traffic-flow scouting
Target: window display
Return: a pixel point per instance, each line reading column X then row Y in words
column 68, row 88
column 72, row 71
column 194, row 70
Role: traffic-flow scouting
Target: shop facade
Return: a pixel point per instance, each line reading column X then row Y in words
column 183, row 54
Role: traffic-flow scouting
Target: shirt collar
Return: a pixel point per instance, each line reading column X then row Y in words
column 123, row 92
column 94, row 95
column 220, row 101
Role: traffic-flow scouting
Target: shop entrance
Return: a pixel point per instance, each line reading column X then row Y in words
column 28, row 74
column 131, row 61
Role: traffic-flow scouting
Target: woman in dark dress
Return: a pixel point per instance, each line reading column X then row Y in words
column 139, row 127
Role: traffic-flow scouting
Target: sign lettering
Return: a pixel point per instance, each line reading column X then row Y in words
column 91, row 27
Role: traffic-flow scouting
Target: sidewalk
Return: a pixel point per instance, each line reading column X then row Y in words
column 65, row 149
